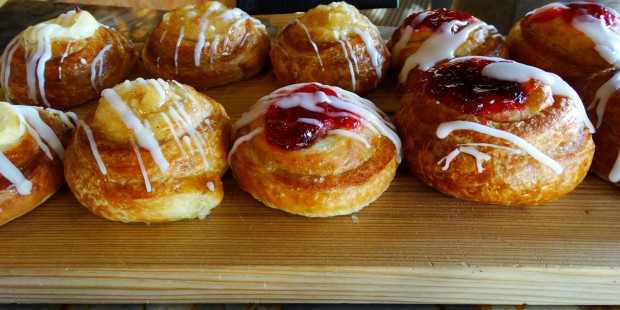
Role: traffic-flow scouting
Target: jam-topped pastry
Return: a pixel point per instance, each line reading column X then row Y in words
column 427, row 38
column 206, row 45
column 572, row 39
column 331, row 44
column 151, row 151
column 495, row 131
column 314, row 150
column 600, row 92
column 32, row 149
column 65, row 61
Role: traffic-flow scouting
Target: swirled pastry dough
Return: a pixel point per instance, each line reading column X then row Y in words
column 314, row 150
column 152, row 151
column 206, row 45
column 65, row 61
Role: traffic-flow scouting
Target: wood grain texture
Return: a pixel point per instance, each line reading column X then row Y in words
column 412, row 245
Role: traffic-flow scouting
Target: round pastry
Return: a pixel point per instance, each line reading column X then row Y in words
column 314, row 150
column 569, row 39
column 429, row 37
column 331, row 44
column 601, row 92
column 495, row 131
column 152, row 151
column 65, row 61
column 32, row 147
column 206, row 45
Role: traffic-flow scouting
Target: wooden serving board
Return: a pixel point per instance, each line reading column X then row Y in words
column 412, row 245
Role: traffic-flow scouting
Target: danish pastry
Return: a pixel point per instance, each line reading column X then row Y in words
column 152, row 151
column 32, row 148
column 65, row 61
column 429, row 37
column 572, row 40
column 495, row 131
column 206, row 45
column 331, row 44
column 601, row 92
column 314, row 150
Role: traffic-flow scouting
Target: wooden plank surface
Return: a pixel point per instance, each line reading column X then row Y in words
column 412, row 245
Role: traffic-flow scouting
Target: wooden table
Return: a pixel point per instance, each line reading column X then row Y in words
column 413, row 245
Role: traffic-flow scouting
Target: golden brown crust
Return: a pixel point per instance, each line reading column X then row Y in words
column 68, row 76
column 555, row 46
column 242, row 46
column 307, row 50
column 510, row 176
column 189, row 188
column 607, row 135
column 46, row 175
column 484, row 40
column 335, row 176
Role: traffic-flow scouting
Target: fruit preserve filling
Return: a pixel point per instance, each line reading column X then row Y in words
column 294, row 126
column 568, row 11
column 462, row 86
column 434, row 19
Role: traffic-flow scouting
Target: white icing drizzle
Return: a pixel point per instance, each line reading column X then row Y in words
column 614, row 174
column 93, row 67
column 176, row 50
column 371, row 49
column 211, row 186
column 12, row 173
column 143, row 134
column 501, row 147
column 7, row 58
column 188, row 141
column 180, row 116
column 349, row 134
column 32, row 117
column 402, row 42
column 602, row 97
column 353, row 56
column 147, row 183
column 242, row 139
column 83, row 61
column 62, row 59
column 448, row 159
column 316, row 48
column 158, row 58
column 446, row 128
column 311, row 121
column 174, row 132
column 163, row 35
column 204, row 22
column 93, row 147
column 476, row 154
column 69, row 118
column 346, row 56
column 214, row 44
column 514, row 71
column 357, row 107
column 441, row 45
column 36, row 59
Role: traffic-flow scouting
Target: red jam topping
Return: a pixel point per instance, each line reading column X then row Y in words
column 436, row 18
column 574, row 9
column 283, row 128
column 462, row 86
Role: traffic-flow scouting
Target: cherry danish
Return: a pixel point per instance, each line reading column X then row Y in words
column 314, row 150
column 495, row 131
column 427, row 38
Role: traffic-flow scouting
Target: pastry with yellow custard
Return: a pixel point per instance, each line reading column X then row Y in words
column 32, row 146
column 331, row 44
column 65, row 61
column 151, row 151
column 206, row 45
